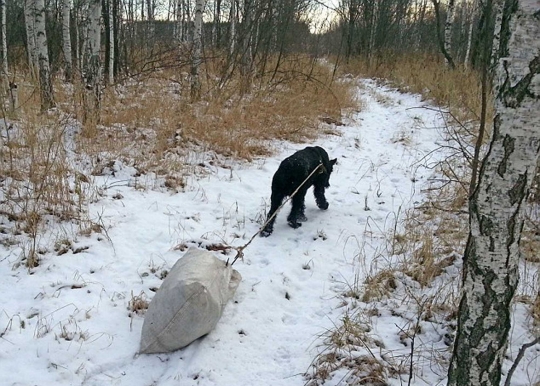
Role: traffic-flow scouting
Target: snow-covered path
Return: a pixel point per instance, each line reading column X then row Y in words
column 74, row 307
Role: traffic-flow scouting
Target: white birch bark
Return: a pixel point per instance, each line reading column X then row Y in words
column 150, row 23
column 178, row 26
column 197, row 50
column 111, row 42
column 92, row 69
column 448, row 27
column 496, row 209
column 214, row 23
column 474, row 7
column 3, row 44
column 29, row 21
column 77, row 39
column 178, row 21
column 498, row 6
column 232, row 23
column 45, row 83
column 66, row 38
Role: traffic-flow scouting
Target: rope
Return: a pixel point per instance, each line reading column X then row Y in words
column 240, row 250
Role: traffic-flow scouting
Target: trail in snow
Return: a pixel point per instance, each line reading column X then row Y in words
column 74, row 307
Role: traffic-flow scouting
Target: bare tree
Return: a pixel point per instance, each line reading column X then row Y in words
column 232, row 22
column 490, row 272
column 111, row 41
column 3, row 47
column 92, row 62
column 448, row 59
column 180, row 20
column 448, row 28
column 246, row 36
column 474, row 6
column 29, row 21
column 46, row 90
column 197, row 50
column 217, row 21
column 66, row 38
column 109, row 23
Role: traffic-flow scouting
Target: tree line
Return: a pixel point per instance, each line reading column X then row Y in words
column 103, row 41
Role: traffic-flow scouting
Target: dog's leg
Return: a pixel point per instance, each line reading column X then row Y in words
column 319, row 197
column 302, row 216
column 276, row 200
column 297, row 211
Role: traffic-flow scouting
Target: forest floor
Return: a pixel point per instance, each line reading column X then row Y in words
column 76, row 320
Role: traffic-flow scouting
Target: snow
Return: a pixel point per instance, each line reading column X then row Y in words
column 68, row 322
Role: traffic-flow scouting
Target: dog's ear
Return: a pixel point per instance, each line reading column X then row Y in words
column 333, row 161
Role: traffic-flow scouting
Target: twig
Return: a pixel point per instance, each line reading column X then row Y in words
column 240, row 250
column 519, row 357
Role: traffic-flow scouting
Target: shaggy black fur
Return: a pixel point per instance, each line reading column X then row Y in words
column 291, row 173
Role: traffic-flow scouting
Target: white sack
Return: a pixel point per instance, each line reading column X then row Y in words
column 189, row 302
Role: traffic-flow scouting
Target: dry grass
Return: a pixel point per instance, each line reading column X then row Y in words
column 343, row 351
column 138, row 304
column 153, row 115
column 379, row 285
column 426, row 275
column 421, row 269
column 37, row 182
column 150, row 124
column 426, row 74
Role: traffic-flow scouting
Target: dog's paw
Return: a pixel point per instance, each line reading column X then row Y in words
column 302, row 218
column 265, row 233
column 294, row 224
column 323, row 205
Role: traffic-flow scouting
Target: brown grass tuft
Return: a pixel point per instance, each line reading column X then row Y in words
column 138, row 304
column 379, row 285
column 344, row 345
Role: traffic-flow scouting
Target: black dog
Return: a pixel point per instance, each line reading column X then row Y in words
column 291, row 173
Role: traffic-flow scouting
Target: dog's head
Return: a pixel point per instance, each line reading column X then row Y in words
column 327, row 165
column 329, row 171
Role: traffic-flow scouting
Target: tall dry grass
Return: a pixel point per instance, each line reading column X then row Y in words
column 458, row 90
column 149, row 122
column 287, row 106
column 37, row 183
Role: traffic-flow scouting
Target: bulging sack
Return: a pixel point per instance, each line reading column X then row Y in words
column 189, row 302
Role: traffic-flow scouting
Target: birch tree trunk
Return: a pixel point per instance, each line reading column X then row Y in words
column 491, row 257
column 45, row 84
column 29, row 21
column 109, row 24
column 111, row 41
column 150, row 24
column 92, row 63
column 197, row 51
column 467, row 59
column 448, row 28
column 232, row 22
column 77, row 39
column 447, row 58
column 246, row 59
column 179, row 25
column 498, row 7
column 66, row 39
column 3, row 49
column 218, row 24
